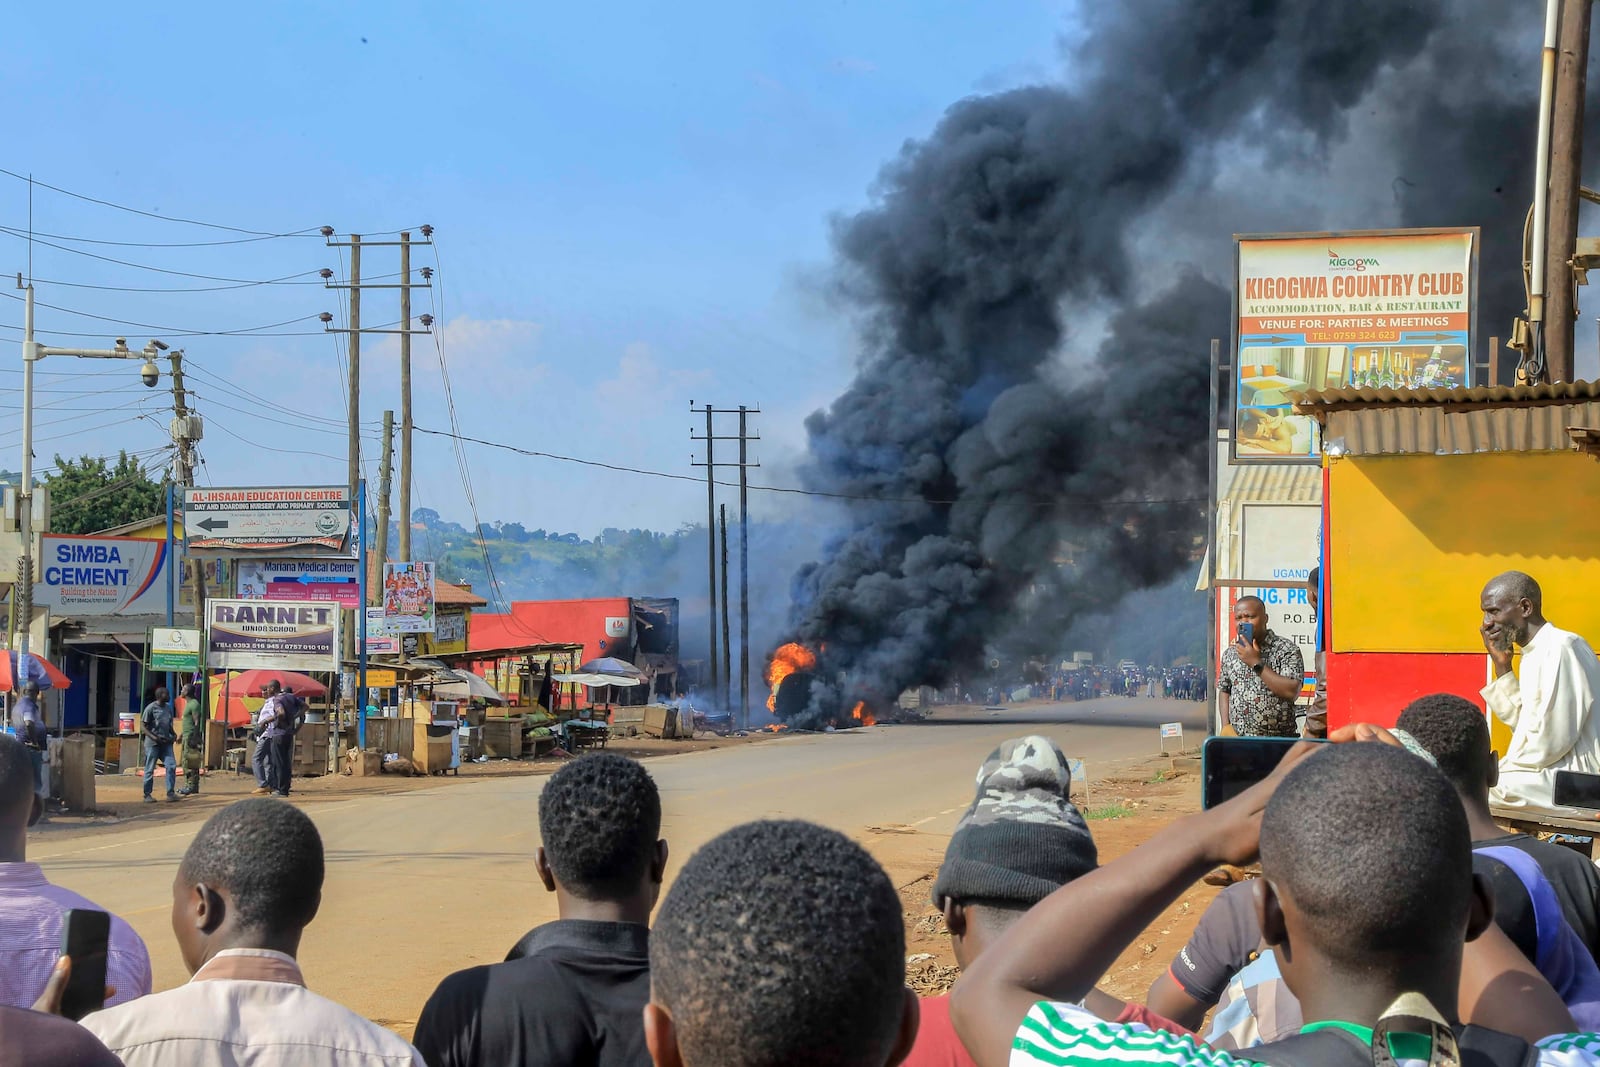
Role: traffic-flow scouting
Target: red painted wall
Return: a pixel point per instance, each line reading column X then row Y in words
column 553, row 621
column 1375, row 686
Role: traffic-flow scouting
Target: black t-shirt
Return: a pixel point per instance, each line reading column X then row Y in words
column 574, row 995
column 1575, row 880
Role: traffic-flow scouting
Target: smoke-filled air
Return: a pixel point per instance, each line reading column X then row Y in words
column 1037, row 281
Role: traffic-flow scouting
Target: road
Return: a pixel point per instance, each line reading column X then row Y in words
column 430, row 880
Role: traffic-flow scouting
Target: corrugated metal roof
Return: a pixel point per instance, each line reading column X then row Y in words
column 1275, row 483
column 1316, row 401
column 1435, row 429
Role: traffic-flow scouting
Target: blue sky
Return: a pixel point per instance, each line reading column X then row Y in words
column 631, row 206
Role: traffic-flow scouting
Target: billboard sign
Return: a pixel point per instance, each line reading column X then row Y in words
column 408, row 597
column 173, row 649
column 287, row 634
column 380, row 641
column 1289, row 615
column 101, row 575
column 304, row 520
column 336, row 580
column 1383, row 310
column 1282, row 542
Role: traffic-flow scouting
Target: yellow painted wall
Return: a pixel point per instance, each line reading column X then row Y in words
column 1413, row 539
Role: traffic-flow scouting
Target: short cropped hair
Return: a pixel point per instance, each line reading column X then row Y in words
column 1521, row 587
column 16, row 773
column 1455, row 732
column 600, row 819
column 1371, row 845
column 267, row 855
column 781, row 942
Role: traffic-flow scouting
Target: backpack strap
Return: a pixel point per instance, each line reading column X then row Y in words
column 1331, row 1047
column 1548, row 918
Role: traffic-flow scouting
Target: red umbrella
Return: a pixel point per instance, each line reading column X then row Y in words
column 35, row 669
column 252, row 682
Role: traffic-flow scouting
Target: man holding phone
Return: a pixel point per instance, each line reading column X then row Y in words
column 1261, row 675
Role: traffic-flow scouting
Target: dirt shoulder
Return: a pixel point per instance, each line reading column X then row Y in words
column 1124, row 811
column 119, row 798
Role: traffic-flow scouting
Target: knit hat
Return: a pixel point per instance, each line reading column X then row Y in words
column 1021, row 839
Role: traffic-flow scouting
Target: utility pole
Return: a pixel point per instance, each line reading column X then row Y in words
column 727, row 653
column 384, row 470
column 405, row 405
column 405, row 331
column 354, row 369
column 33, row 352
column 711, row 535
column 1566, row 157
column 711, row 465
column 742, row 721
column 187, row 429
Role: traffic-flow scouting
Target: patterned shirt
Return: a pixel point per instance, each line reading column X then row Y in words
column 1062, row 1035
column 30, row 939
column 1253, row 709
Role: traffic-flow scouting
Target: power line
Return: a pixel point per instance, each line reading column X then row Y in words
column 287, row 279
column 130, row 263
column 32, row 181
column 170, row 331
column 795, row 490
column 270, row 448
column 19, row 231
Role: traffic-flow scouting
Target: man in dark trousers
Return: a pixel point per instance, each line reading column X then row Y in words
column 194, row 739
column 28, row 722
column 574, row 990
column 155, row 725
column 291, row 715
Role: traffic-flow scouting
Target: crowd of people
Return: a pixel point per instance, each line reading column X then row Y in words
column 1391, row 922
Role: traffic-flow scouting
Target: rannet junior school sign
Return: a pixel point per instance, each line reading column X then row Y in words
column 292, row 635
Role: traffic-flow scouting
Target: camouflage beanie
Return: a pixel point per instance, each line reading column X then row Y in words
column 1021, row 839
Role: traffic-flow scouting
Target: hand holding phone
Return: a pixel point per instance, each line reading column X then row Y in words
column 85, row 936
column 1247, row 632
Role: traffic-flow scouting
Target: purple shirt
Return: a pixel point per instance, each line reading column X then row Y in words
column 30, row 939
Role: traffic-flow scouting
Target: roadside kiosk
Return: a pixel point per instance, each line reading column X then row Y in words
column 1427, row 494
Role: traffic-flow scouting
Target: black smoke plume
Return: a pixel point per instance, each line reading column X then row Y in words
column 1037, row 282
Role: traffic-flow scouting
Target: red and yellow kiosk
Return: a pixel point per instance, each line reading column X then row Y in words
column 1426, row 495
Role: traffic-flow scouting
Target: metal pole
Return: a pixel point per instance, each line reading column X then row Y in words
column 1534, row 359
column 169, row 574
column 354, row 369
column 30, row 355
column 727, row 653
column 1566, row 157
column 405, row 402
column 361, row 626
column 1211, row 532
column 384, row 470
column 711, row 544
column 741, row 721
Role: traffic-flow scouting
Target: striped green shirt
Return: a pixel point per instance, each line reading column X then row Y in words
column 1064, row 1035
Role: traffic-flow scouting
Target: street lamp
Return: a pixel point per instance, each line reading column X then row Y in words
column 33, row 352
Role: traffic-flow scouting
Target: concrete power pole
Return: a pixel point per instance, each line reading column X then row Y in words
column 187, row 429
column 405, row 403
column 355, row 365
column 721, row 683
column 384, row 470
column 1566, row 158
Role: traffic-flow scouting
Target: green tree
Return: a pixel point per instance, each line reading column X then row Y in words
column 90, row 494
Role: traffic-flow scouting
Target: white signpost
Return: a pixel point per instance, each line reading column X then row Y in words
column 1171, row 731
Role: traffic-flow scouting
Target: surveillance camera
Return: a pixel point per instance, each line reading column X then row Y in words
column 149, row 374
column 159, row 345
column 122, row 342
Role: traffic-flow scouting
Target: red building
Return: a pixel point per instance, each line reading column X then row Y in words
column 642, row 631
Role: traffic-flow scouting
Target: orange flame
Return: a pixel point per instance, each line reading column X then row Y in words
column 861, row 715
column 775, row 726
column 788, row 659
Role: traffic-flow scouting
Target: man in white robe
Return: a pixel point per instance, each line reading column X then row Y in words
column 1550, row 704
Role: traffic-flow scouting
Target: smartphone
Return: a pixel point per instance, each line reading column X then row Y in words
column 84, row 936
column 1230, row 765
column 1575, row 789
column 1247, row 630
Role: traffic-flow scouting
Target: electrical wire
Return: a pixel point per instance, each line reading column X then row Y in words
column 753, row 487
column 156, row 244
column 32, row 181
column 287, row 279
column 270, row 448
column 169, row 331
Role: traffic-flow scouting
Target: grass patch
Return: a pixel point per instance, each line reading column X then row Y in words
column 1160, row 777
column 1109, row 811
